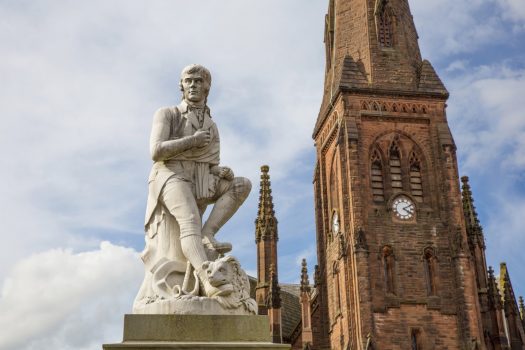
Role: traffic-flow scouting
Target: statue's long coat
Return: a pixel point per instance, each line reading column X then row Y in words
column 172, row 123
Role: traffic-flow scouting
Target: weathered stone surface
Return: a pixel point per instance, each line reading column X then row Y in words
column 189, row 306
column 195, row 332
column 196, row 345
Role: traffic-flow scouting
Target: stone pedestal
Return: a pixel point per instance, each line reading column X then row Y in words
column 155, row 332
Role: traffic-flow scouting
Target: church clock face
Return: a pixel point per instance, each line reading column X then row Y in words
column 335, row 223
column 403, row 208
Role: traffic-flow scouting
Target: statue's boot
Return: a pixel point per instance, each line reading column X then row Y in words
column 194, row 251
column 222, row 211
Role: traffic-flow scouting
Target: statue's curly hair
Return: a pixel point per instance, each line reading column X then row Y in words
column 196, row 68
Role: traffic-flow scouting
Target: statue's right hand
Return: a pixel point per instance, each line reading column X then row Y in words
column 202, row 138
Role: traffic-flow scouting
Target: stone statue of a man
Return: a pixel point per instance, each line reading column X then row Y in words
column 186, row 177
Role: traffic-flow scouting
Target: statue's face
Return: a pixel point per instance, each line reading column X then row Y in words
column 195, row 88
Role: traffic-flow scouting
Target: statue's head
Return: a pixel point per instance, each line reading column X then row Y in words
column 195, row 82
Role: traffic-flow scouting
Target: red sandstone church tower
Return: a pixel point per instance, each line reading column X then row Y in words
column 395, row 262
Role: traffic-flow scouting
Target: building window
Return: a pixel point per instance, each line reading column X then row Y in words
column 378, row 192
column 415, row 339
column 430, row 270
column 385, row 29
column 416, row 186
column 395, row 168
column 389, row 269
column 334, row 184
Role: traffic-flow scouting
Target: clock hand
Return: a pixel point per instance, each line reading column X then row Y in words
column 408, row 208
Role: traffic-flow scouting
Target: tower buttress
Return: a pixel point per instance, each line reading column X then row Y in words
column 512, row 313
column 496, row 331
column 306, row 309
column 273, row 305
column 474, row 229
column 476, row 243
column 266, row 238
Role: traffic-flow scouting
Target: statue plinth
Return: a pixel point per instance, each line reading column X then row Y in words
column 219, row 332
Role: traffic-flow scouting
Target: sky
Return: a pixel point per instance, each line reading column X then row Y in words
column 80, row 84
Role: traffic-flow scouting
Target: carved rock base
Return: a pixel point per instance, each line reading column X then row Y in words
column 151, row 332
column 190, row 306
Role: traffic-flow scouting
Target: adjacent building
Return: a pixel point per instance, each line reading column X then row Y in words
column 401, row 252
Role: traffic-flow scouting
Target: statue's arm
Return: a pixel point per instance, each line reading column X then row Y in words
column 223, row 172
column 161, row 147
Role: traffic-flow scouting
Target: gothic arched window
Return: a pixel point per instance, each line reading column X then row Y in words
column 430, row 262
column 389, row 269
column 416, row 186
column 378, row 191
column 334, row 184
column 395, row 168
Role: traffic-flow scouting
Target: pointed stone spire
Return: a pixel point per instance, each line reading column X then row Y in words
column 305, row 283
column 266, row 223
column 274, row 295
column 306, row 308
column 471, row 216
column 495, row 304
column 266, row 240
column 512, row 311
column 493, row 291
column 509, row 300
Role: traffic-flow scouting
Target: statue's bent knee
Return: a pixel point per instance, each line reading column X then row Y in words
column 241, row 188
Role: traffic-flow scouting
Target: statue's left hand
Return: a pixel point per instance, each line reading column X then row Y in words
column 226, row 173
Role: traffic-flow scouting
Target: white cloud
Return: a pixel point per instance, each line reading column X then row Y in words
column 458, row 65
column 490, row 125
column 514, row 9
column 449, row 27
column 60, row 299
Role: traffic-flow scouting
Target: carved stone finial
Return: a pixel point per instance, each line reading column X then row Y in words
column 305, row 283
column 493, row 291
column 474, row 229
column 507, row 292
column 265, row 223
column 274, row 295
column 509, row 300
